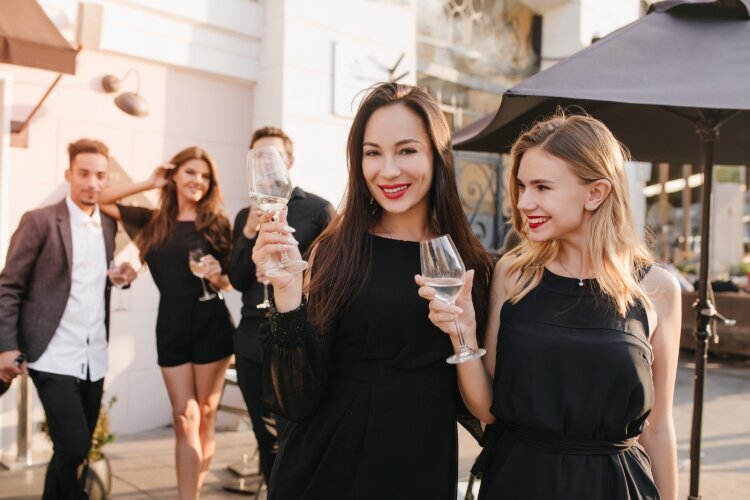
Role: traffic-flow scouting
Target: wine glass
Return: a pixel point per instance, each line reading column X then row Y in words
column 443, row 270
column 269, row 186
column 117, row 278
column 198, row 268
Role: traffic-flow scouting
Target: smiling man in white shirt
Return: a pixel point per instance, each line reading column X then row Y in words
column 54, row 296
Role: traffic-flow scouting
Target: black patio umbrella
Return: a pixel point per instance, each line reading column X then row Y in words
column 673, row 86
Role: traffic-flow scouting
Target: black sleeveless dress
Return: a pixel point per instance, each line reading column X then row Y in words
column 385, row 423
column 572, row 391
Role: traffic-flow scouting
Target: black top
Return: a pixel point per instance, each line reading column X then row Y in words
column 572, row 389
column 377, row 417
column 168, row 262
column 309, row 215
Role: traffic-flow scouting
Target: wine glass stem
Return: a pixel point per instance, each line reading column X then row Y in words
column 461, row 341
column 265, row 293
column 284, row 256
column 203, row 284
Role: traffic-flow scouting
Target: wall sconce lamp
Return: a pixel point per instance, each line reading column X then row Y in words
column 132, row 103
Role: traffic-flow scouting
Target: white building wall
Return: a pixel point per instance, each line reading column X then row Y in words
column 569, row 25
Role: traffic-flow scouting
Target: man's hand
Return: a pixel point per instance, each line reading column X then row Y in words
column 253, row 221
column 8, row 367
column 128, row 273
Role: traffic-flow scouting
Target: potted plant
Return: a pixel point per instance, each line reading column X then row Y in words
column 96, row 472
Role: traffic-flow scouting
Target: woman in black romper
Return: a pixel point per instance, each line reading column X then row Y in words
column 582, row 337
column 193, row 337
column 372, row 401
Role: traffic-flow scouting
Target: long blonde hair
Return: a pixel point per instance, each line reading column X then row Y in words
column 618, row 257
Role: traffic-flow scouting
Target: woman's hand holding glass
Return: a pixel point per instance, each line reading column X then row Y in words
column 444, row 315
column 444, row 273
column 273, row 240
column 212, row 271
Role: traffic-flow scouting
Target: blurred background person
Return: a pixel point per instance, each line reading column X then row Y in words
column 309, row 215
column 186, row 242
column 54, row 308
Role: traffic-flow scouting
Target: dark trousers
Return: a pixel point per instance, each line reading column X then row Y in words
column 267, row 426
column 71, row 407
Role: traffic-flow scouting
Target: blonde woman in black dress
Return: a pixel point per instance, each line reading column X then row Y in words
column 193, row 336
column 583, row 333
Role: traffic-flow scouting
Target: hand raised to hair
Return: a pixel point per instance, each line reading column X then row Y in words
column 159, row 177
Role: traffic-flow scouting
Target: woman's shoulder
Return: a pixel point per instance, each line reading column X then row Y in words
column 660, row 285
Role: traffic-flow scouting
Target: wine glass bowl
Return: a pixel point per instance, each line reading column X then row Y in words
column 116, row 275
column 443, row 270
column 270, row 187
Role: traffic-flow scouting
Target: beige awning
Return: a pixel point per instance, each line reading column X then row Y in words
column 28, row 38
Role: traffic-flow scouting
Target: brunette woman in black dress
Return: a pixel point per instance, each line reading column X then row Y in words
column 354, row 362
column 583, row 333
column 193, row 336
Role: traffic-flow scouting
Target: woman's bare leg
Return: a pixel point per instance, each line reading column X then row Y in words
column 209, row 380
column 186, row 418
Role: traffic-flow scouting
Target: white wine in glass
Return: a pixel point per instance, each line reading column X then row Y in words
column 270, row 187
column 116, row 276
column 443, row 270
column 198, row 268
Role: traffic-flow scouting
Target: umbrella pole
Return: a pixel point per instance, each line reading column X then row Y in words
column 703, row 307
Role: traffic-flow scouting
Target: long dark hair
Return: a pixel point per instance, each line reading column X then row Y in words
column 210, row 221
column 343, row 254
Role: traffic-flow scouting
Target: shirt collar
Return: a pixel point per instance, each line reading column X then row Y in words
column 81, row 218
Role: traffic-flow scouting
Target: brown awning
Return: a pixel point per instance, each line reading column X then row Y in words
column 28, row 38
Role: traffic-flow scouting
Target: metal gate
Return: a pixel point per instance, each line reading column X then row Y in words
column 480, row 186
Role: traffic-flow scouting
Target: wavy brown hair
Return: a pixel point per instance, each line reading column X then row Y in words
column 210, row 221
column 618, row 256
column 343, row 253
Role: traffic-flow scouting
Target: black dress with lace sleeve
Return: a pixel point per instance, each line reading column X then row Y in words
column 373, row 401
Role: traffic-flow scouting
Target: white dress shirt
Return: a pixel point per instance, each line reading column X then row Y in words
column 79, row 345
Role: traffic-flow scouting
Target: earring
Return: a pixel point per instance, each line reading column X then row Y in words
column 590, row 208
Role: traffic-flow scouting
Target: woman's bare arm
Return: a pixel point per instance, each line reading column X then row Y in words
column 658, row 438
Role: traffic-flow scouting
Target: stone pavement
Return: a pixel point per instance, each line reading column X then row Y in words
column 143, row 464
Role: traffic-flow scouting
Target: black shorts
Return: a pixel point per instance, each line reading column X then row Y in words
column 191, row 331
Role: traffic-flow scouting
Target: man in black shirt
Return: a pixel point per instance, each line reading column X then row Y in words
column 309, row 215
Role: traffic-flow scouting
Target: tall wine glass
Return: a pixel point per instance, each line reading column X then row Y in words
column 270, row 187
column 443, row 270
column 198, row 268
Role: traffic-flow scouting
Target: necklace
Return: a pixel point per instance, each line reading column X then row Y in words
column 580, row 280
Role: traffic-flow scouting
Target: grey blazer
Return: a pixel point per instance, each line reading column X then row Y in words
column 35, row 284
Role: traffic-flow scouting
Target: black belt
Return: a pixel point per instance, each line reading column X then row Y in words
column 570, row 446
column 552, row 443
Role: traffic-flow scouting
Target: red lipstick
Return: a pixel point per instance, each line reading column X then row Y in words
column 394, row 191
